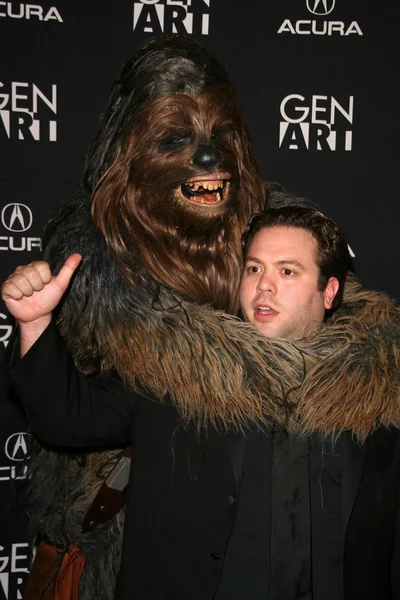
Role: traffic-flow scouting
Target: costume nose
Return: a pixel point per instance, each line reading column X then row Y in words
column 206, row 155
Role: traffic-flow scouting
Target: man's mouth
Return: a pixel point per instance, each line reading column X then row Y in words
column 205, row 191
column 263, row 312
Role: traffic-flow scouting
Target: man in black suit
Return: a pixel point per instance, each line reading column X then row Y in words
column 223, row 515
column 334, row 502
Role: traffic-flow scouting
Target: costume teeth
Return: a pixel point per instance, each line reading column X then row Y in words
column 207, row 185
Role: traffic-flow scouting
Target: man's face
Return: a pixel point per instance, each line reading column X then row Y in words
column 279, row 290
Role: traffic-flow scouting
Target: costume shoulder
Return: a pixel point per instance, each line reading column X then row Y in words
column 100, row 297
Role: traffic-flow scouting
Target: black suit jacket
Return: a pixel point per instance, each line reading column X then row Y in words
column 370, row 513
column 184, row 485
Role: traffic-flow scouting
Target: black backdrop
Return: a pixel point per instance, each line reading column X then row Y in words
column 318, row 82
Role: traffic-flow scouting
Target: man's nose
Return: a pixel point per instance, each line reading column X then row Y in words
column 206, row 155
column 266, row 283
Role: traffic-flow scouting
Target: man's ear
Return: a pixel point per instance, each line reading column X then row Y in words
column 330, row 292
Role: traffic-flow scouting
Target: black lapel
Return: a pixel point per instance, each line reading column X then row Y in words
column 236, row 444
column 353, row 469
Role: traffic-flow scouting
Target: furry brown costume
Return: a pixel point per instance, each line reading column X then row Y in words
column 170, row 185
column 173, row 183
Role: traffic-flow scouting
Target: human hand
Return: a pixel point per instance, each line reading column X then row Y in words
column 31, row 293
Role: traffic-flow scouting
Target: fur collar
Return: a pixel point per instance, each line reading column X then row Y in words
column 355, row 382
column 214, row 367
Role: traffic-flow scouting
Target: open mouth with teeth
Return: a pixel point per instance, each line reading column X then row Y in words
column 206, row 191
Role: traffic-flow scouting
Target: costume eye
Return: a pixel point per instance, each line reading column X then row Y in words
column 174, row 142
column 221, row 134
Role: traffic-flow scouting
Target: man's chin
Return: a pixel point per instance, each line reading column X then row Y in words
column 268, row 329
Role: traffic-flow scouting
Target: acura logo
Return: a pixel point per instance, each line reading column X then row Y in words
column 320, row 7
column 16, row 217
column 16, row 446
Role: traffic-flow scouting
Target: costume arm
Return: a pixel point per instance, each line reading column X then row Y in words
column 63, row 406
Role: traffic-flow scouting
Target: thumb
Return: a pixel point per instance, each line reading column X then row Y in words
column 67, row 270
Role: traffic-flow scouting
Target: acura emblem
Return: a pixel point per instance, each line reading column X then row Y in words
column 16, row 217
column 320, row 7
column 16, row 446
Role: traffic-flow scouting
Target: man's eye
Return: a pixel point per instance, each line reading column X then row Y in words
column 252, row 269
column 288, row 272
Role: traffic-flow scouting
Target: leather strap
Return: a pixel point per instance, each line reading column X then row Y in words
column 111, row 497
column 55, row 573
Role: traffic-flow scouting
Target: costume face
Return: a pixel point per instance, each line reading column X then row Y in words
column 184, row 158
column 279, row 291
column 180, row 193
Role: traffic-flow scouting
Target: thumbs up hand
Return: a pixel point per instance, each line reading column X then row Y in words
column 31, row 293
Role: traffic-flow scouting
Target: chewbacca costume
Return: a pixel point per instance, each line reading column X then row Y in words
column 160, row 240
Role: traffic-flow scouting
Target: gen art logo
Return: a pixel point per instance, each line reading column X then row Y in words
column 17, row 219
column 320, row 25
column 321, row 123
column 14, row 565
column 28, row 112
column 172, row 16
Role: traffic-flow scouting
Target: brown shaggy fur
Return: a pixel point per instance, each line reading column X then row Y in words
column 345, row 377
column 355, row 381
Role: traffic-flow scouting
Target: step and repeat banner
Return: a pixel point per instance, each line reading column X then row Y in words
column 318, row 83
